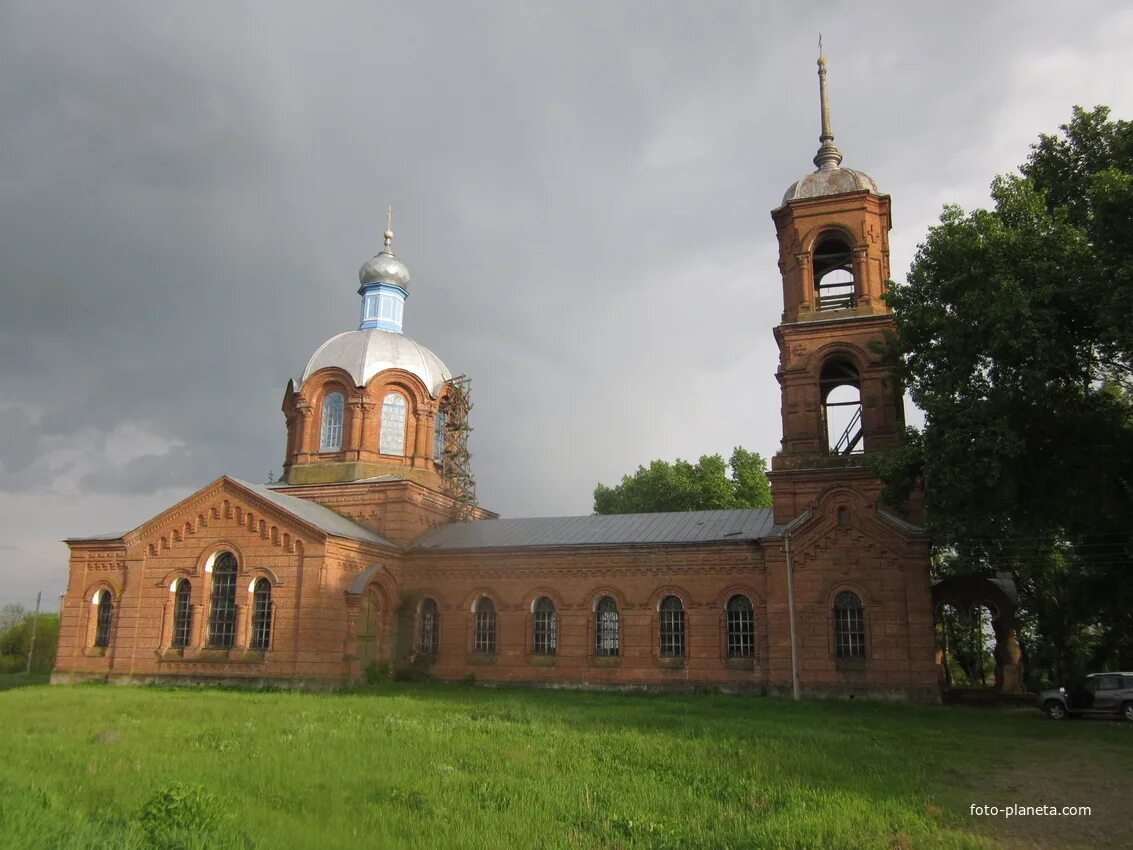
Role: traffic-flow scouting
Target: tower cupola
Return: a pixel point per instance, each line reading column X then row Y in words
column 829, row 178
column 384, row 286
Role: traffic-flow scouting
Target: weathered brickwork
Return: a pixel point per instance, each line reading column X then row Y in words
column 322, row 586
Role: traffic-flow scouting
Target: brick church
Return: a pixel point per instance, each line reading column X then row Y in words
column 370, row 553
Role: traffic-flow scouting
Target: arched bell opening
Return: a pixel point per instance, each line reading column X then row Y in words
column 834, row 284
column 840, row 388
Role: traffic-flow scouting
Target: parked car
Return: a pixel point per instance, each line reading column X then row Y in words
column 1098, row 694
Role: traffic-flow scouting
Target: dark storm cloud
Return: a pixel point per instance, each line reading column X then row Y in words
column 581, row 193
column 150, row 473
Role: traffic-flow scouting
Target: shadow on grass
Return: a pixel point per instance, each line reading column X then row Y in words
column 21, row 680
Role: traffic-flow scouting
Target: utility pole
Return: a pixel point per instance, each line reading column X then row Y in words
column 791, row 615
column 34, row 624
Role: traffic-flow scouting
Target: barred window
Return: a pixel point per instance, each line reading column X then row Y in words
column 331, row 437
column 606, row 627
column 849, row 626
column 741, row 628
column 672, row 628
column 391, row 441
column 261, row 615
column 428, row 640
column 182, row 614
column 105, row 616
column 485, row 625
column 546, row 627
column 222, row 613
column 441, row 422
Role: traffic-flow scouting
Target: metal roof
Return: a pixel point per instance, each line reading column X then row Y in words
column 312, row 512
column 377, row 479
column 621, row 529
column 365, row 353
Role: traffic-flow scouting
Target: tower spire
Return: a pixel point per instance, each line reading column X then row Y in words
column 389, row 229
column 828, row 155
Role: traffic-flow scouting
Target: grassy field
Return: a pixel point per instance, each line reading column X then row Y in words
column 433, row 766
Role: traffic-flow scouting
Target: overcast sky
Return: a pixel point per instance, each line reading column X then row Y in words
column 581, row 191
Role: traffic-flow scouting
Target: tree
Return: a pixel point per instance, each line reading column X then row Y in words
column 681, row 486
column 15, row 640
column 11, row 615
column 1013, row 336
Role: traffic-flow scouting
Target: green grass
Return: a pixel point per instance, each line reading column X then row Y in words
column 433, row 766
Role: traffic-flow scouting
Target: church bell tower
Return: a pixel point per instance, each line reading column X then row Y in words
column 838, row 400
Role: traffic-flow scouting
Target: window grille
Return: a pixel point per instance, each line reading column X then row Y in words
column 182, row 614
column 849, row 626
column 261, row 615
column 331, row 438
column 222, row 616
column 105, row 617
column 485, row 626
column 606, row 627
column 392, row 439
column 546, row 627
column 428, row 641
column 741, row 628
column 672, row 628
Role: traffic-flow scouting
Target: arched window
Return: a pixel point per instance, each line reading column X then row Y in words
column 331, row 438
column 261, row 615
column 427, row 643
column 222, row 611
column 182, row 614
column 546, row 627
column 439, row 437
column 606, row 627
column 392, row 438
column 672, row 628
column 834, row 274
column 105, row 615
column 741, row 627
column 485, row 637
column 840, row 391
column 849, row 626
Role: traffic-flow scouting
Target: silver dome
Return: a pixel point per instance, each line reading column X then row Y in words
column 365, row 353
column 384, row 268
column 830, row 181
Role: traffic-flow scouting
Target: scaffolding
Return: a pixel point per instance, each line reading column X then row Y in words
column 456, row 466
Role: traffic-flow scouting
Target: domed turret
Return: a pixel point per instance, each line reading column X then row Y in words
column 370, row 401
column 384, row 286
column 829, row 178
column 385, row 268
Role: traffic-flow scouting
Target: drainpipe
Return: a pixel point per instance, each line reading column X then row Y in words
column 791, row 616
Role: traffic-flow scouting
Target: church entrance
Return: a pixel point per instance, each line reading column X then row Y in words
column 370, row 626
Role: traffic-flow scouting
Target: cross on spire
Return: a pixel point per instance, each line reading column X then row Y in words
column 389, row 227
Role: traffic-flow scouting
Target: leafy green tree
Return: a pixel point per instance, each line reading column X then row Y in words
column 11, row 615
column 682, row 486
column 16, row 640
column 1013, row 336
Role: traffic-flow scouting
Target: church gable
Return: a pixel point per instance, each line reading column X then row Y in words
column 223, row 509
column 844, row 530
